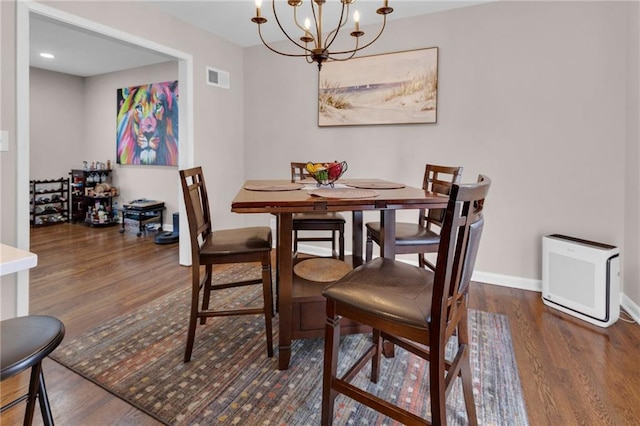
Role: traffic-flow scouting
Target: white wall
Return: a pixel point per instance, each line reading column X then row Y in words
column 99, row 131
column 218, row 113
column 8, row 159
column 90, row 103
column 530, row 93
column 57, row 110
column 83, row 128
column 632, row 160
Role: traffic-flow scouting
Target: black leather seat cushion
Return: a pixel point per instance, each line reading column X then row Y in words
column 26, row 341
column 396, row 290
column 319, row 216
column 408, row 233
column 237, row 241
column 388, row 289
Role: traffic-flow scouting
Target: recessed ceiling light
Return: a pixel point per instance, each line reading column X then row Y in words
column 47, row 55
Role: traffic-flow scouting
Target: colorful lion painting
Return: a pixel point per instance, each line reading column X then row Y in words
column 147, row 126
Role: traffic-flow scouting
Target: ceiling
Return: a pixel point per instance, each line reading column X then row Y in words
column 83, row 53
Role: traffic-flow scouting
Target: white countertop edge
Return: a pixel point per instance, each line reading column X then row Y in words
column 15, row 260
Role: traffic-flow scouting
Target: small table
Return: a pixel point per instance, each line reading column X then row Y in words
column 144, row 212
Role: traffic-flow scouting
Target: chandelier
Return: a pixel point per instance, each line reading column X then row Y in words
column 316, row 41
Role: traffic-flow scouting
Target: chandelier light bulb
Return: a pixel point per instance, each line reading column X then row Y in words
column 258, row 19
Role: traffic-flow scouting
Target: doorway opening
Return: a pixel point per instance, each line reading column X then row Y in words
column 185, row 76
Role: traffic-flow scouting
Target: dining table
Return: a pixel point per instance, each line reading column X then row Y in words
column 299, row 302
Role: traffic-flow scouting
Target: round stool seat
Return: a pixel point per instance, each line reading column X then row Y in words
column 321, row 269
column 26, row 341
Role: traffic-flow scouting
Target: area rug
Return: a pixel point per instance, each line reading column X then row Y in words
column 230, row 380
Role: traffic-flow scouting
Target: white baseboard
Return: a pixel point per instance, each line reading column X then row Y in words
column 630, row 307
column 507, row 281
column 496, row 279
column 483, row 277
column 316, row 251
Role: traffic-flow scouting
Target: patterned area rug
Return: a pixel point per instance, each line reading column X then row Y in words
column 139, row 358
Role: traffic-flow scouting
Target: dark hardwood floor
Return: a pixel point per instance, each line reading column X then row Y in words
column 572, row 373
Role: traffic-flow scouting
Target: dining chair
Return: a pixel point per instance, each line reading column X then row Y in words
column 209, row 247
column 423, row 236
column 414, row 308
column 24, row 342
column 316, row 221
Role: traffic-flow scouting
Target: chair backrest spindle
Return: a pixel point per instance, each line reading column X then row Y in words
column 197, row 206
column 438, row 179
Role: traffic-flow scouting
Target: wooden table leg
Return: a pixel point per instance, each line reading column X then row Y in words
column 277, row 262
column 356, row 233
column 285, row 270
column 388, row 250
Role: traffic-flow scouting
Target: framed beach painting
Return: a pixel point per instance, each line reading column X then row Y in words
column 392, row 88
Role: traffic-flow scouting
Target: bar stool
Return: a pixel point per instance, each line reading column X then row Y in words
column 222, row 247
column 25, row 342
column 422, row 237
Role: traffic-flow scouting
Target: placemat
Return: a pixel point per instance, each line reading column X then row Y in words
column 275, row 187
column 375, row 185
column 344, row 193
column 321, row 269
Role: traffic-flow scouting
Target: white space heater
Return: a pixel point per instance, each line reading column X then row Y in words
column 581, row 278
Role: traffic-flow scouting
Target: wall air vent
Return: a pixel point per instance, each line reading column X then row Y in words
column 218, row 78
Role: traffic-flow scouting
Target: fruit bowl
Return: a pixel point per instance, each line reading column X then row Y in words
column 326, row 173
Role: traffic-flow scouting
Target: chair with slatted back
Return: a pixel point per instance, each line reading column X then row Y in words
column 423, row 236
column 317, row 221
column 209, row 248
column 25, row 342
column 414, row 308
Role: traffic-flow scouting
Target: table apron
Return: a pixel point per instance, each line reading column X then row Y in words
column 323, row 206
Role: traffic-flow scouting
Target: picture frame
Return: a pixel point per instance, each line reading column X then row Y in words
column 147, row 127
column 390, row 88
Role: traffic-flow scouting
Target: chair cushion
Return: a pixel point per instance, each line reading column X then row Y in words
column 388, row 289
column 237, row 241
column 407, row 234
column 26, row 340
column 319, row 216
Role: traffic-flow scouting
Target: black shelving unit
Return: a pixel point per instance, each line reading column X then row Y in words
column 49, row 201
column 88, row 205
